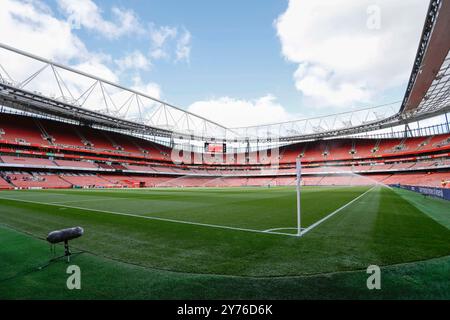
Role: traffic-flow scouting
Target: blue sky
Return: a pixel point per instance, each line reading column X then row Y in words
column 235, row 50
column 237, row 62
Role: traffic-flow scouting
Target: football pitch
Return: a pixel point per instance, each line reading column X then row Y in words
column 197, row 243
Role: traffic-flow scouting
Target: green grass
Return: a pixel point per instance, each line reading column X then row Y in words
column 134, row 257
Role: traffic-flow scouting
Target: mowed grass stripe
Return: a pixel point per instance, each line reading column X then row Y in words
column 146, row 217
column 317, row 223
column 62, row 204
column 260, row 210
column 381, row 228
column 20, row 254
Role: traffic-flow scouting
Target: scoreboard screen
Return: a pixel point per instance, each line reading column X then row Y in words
column 215, row 147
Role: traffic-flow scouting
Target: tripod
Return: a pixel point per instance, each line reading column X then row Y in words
column 67, row 252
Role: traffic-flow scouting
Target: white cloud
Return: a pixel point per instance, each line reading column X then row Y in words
column 133, row 61
column 35, row 25
column 160, row 36
column 152, row 89
column 96, row 67
column 85, row 13
column 236, row 113
column 32, row 27
column 316, row 81
column 183, row 50
column 158, row 53
column 340, row 60
column 165, row 40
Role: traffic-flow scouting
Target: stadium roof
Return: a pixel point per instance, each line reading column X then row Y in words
column 76, row 95
column 429, row 85
column 54, row 89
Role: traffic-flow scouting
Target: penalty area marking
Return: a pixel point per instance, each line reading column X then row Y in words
column 151, row 218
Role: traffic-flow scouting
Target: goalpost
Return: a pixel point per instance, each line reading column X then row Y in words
column 299, row 172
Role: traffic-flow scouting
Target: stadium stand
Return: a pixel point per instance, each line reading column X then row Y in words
column 430, row 179
column 124, row 143
column 419, row 160
column 140, row 168
column 93, row 139
column 43, row 180
column 63, row 136
column 76, row 164
column 87, row 180
column 105, row 166
column 20, row 130
column 4, row 184
column 121, row 181
column 27, row 161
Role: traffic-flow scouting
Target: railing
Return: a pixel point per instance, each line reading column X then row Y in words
column 246, row 146
column 433, row 130
column 443, row 128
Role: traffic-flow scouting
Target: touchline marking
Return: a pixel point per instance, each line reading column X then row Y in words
column 315, row 224
column 35, row 194
column 83, row 200
column 152, row 218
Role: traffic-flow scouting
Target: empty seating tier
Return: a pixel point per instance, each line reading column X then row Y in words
column 52, row 154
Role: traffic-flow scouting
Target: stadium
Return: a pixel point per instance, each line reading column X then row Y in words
column 176, row 206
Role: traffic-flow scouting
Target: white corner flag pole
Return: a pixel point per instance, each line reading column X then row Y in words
column 299, row 173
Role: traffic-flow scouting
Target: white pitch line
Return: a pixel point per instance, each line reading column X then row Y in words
column 34, row 194
column 152, row 218
column 334, row 212
column 275, row 229
column 385, row 185
column 82, row 200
